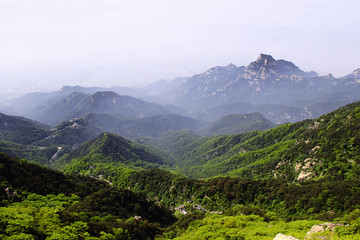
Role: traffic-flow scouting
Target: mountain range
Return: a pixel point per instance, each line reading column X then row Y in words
column 324, row 148
column 235, row 153
column 277, row 89
column 77, row 104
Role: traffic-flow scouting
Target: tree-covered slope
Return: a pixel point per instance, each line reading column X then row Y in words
column 72, row 132
column 139, row 127
column 326, row 147
column 34, row 141
column 25, row 176
column 236, row 124
column 117, row 148
column 109, row 157
column 76, row 131
column 323, row 199
column 37, row 154
column 39, row 203
column 21, row 130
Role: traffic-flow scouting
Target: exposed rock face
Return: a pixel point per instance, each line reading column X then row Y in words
column 264, row 59
column 266, row 67
column 354, row 74
column 306, row 168
column 262, row 81
column 281, row 236
column 276, row 88
column 304, row 176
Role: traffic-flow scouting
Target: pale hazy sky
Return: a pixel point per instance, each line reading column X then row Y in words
column 45, row 44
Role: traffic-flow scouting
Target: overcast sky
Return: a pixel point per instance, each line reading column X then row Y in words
column 45, row 44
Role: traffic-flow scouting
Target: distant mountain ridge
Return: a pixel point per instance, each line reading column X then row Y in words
column 259, row 79
column 77, row 104
column 25, row 138
column 265, row 81
column 278, row 89
column 26, row 103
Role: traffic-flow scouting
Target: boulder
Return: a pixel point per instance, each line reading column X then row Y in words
column 321, row 228
column 281, row 236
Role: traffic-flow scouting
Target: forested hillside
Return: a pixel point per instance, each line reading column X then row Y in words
column 326, row 147
column 109, row 157
column 236, row 124
column 306, row 173
column 38, row 203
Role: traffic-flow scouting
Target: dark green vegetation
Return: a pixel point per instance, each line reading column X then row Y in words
column 36, row 142
column 322, row 200
column 38, row 203
column 109, row 157
column 21, row 130
column 327, row 147
column 29, row 139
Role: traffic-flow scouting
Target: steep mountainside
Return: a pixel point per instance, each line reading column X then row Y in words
column 117, row 148
column 25, row 138
column 72, row 132
column 327, row 147
column 21, row 130
column 34, row 141
column 108, row 154
column 235, row 124
column 34, row 153
column 77, row 104
column 21, row 136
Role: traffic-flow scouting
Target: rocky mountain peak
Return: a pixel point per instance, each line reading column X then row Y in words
column 266, row 67
column 329, row 76
column 231, row 67
column 264, row 59
column 356, row 73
